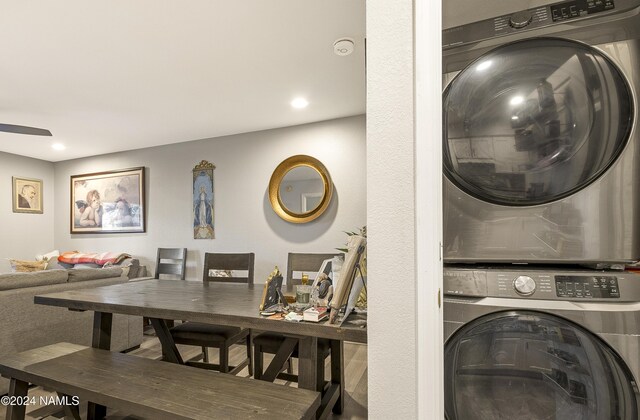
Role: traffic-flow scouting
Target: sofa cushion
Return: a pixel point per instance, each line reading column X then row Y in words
column 76, row 275
column 23, row 266
column 54, row 264
column 85, row 266
column 133, row 264
column 130, row 267
column 38, row 278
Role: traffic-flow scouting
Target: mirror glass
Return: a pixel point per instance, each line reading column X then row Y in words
column 301, row 189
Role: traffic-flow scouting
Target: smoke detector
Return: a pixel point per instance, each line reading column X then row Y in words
column 343, row 46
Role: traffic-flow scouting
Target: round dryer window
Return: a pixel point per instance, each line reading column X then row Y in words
column 529, row 365
column 534, row 121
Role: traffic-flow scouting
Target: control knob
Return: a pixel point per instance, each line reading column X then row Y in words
column 520, row 19
column 524, row 285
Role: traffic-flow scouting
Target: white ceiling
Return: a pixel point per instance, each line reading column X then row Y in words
column 121, row 75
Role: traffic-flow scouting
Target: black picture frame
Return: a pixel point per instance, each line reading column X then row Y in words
column 271, row 295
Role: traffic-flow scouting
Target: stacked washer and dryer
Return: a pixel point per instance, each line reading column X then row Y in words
column 542, row 213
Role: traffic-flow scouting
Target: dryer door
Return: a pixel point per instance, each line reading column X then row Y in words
column 530, row 365
column 534, row 121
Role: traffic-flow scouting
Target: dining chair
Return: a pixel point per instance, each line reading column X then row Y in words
column 171, row 263
column 271, row 342
column 308, row 263
column 221, row 268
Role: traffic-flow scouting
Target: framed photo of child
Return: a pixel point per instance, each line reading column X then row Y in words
column 108, row 202
column 27, row 195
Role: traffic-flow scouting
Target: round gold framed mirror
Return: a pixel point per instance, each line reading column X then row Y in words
column 300, row 189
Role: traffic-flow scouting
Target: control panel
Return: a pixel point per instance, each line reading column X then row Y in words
column 587, row 287
column 529, row 19
column 578, row 8
column 544, row 284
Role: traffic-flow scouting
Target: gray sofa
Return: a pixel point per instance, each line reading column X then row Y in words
column 25, row 325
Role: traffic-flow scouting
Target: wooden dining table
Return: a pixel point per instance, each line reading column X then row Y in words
column 215, row 303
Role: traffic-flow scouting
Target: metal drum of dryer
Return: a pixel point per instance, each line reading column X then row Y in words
column 526, row 364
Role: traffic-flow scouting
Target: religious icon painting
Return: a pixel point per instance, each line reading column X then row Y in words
column 203, row 201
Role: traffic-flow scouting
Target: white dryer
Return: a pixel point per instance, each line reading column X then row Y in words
column 540, row 136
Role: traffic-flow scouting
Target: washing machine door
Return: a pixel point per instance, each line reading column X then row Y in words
column 529, row 365
column 534, row 121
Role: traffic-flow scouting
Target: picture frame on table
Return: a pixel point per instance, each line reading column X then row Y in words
column 271, row 293
column 27, row 195
column 348, row 274
column 325, row 268
column 108, row 202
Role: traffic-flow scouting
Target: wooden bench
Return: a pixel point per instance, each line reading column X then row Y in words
column 150, row 388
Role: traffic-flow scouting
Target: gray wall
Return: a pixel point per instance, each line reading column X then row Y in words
column 24, row 235
column 244, row 220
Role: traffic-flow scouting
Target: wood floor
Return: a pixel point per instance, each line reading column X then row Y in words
column 355, row 378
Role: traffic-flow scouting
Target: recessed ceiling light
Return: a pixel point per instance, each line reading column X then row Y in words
column 299, row 103
column 58, row 146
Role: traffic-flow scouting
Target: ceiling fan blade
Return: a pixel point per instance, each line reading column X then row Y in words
column 21, row 129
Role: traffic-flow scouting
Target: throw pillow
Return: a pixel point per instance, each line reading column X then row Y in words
column 22, row 266
column 49, row 256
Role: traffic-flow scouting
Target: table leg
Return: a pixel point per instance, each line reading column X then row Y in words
column 307, row 362
column 18, row 389
column 102, row 330
column 281, row 357
column 70, row 411
column 170, row 352
column 337, row 372
column 101, row 340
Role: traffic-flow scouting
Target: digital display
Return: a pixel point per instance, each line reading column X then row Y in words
column 578, row 8
column 587, row 287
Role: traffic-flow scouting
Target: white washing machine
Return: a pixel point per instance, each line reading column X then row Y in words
column 540, row 344
column 540, row 136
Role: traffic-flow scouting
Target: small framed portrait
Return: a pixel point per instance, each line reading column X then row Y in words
column 108, row 202
column 27, row 195
column 270, row 293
